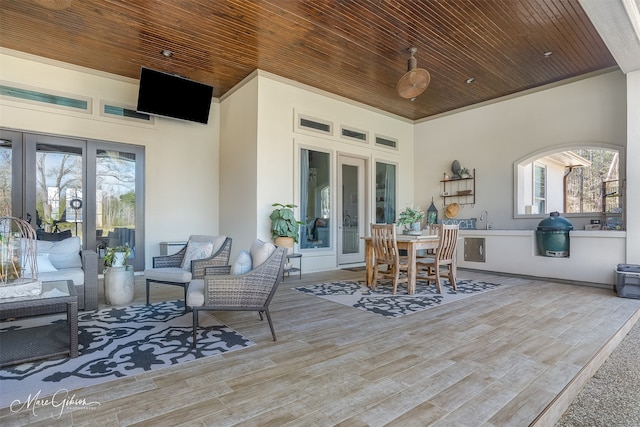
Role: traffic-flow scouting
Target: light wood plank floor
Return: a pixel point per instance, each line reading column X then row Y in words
column 514, row 356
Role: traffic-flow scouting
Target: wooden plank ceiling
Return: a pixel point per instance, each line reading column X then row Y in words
column 357, row 49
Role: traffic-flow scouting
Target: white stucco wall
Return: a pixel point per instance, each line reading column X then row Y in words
column 278, row 142
column 181, row 176
column 491, row 138
column 239, row 165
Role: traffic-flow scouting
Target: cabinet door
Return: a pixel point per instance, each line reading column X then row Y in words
column 474, row 249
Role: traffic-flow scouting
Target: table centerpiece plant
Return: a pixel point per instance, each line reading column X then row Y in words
column 411, row 218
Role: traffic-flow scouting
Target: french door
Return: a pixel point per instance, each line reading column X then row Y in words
column 70, row 187
column 351, row 209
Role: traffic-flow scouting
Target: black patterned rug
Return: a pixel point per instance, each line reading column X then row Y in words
column 381, row 301
column 114, row 343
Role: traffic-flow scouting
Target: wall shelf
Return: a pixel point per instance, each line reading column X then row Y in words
column 461, row 190
column 612, row 207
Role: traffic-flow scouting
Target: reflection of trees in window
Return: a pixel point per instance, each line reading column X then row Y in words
column 5, row 178
column 584, row 184
column 573, row 180
column 56, row 173
column 115, row 182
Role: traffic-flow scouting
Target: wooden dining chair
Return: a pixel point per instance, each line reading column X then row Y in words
column 444, row 257
column 385, row 253
column 432, row 229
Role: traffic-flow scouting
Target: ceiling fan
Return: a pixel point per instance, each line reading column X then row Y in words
column 415, row 80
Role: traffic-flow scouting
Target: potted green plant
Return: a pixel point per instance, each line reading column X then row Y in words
column 411, row 218
column 117, row 256
column 284, row 226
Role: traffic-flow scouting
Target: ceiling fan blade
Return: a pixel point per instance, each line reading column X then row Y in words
column 413, row 83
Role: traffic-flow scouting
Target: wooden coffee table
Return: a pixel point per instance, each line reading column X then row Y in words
column 45, row 341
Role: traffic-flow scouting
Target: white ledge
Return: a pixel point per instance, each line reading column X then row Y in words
column 524, row 233
column 495, row 232
column 598, row 233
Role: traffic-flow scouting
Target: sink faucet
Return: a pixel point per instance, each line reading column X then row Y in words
column 484, row 216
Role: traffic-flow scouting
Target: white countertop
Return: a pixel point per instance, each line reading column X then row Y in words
column 573, row 233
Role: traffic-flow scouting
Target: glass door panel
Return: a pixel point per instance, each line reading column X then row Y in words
column 58, row 191
column 352, row 220
column 67, row 187
column 385, row 193
column 53, row 179
column 315, row 200
column 10, row 149
column 115, row 200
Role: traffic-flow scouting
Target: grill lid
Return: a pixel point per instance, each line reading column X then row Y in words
column 555, row 222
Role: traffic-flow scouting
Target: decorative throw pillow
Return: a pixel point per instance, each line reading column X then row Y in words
column 43, row 262
column 218, row 242
column 63, row 254
column 242, row 263
column 260, row 251
column 196, row 250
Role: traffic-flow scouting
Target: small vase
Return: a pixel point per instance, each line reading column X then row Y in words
column 415, row 226
column 118, row 259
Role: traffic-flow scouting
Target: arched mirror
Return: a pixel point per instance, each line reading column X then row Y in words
column 570, row 180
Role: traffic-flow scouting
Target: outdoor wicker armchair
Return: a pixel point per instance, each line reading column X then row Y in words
column 251, row 291
column 170, row 269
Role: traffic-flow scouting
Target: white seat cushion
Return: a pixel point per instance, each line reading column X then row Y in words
column 195, row 293
column 242, row 263
column 168, row 274
column 261, row 251
column 74, row 274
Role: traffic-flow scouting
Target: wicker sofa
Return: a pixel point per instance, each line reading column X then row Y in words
column 65, row 260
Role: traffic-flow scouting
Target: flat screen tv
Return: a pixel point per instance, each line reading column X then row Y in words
column 168, row 95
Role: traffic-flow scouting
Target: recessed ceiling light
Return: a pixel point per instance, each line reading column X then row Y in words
column 470, row 80
column 547, row 54
column 167, row 53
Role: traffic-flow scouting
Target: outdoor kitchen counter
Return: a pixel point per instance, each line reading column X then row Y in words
column 593, row 255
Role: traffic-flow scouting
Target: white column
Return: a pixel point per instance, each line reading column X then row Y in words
column 633, row 167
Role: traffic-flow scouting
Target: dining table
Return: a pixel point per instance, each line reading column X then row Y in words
column 412, row 244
